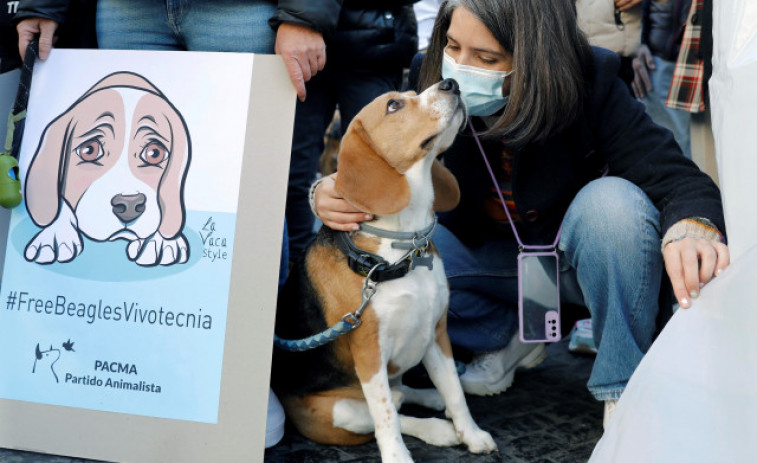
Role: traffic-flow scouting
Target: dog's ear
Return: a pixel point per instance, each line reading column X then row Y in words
column 365, row 178
column 43, row 180
column 446, row 189
column 171, row 188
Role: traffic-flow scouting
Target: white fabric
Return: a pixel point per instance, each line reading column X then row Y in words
column 274, row 424
column 734, row 116
column 693, row 398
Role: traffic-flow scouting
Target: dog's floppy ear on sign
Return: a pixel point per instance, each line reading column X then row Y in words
column 44, row 177
column 171, row 189
column 364, row 177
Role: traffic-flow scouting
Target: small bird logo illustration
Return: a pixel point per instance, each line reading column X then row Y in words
column 69, row 346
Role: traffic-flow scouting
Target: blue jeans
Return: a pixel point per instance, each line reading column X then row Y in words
column 675, row 120
column 195, row 25
column 350, row 90
column 610, row 262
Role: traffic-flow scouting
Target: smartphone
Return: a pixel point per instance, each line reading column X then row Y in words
column 539, row 296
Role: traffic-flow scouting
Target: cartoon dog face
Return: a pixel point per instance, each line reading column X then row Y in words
column 115, row 161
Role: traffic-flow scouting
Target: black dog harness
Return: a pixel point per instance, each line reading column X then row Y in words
column 375, row 269
column 363, row 262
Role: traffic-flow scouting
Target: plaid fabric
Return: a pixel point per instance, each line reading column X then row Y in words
column 687, row 88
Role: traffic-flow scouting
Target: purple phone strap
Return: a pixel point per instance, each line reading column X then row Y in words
column 535, row 247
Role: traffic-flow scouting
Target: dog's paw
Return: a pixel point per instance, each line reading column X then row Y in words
column 59, row 242
column 439, row 432
column 396, row 455
column 478, row 441
column 158, row 250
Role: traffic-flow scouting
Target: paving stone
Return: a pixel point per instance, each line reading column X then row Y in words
column 547, row 416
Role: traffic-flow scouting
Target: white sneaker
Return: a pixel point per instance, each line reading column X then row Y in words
column 493, row 372
column 610, row 406
column 274, row 424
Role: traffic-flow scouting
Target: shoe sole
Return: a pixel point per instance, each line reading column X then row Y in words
column 533, row 359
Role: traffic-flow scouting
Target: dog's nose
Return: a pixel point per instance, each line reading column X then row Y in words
column 128, row 207
column 449, row 85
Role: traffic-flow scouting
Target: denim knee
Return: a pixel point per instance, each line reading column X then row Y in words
column 612, row 215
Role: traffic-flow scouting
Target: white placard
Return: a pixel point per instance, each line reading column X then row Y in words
column 149, row 240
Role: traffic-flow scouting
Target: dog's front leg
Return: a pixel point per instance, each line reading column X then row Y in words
column 59, row 241
column 374, row 380
column 441, row 369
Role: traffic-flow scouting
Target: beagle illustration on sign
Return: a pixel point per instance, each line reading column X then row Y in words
column 112, row 166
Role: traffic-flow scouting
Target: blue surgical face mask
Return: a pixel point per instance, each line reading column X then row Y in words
column 480, row 89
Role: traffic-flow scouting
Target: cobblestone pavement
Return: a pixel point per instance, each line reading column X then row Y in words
column 547, row 416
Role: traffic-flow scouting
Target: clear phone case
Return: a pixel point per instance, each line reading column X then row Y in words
column 539, row 296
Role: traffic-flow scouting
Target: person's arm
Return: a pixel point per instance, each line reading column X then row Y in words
column 30, row 27
column 333, row 210
column 643, row 60
column 304, row 52
column 694, row 252
column 301, row 26
column 39, row 17
column 637, row 149
column 641, row 64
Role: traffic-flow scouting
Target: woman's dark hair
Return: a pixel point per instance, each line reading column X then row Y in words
column 550, row 56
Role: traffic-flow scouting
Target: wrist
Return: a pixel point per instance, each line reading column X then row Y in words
column 695, row 227
column 311, row 195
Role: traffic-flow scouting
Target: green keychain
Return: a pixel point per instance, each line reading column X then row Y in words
column 10, row 186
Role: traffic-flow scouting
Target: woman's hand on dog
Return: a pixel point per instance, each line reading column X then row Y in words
column 691, row 263
column 333, row 210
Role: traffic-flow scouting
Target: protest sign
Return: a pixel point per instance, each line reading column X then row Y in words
column 140, row 276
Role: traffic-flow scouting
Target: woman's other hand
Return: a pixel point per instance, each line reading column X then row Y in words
column 691, row 263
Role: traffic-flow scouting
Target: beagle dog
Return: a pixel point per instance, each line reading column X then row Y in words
column 112, row 166
column 347, row 391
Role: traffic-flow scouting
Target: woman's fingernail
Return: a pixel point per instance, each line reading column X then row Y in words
column 368, row 217
column 718, row 271
column 355, row 227
column 684, row 302
column 693, row 294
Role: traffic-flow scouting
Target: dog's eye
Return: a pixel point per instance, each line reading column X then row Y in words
column 90, row 151
column 394, row 105
column 154, row 153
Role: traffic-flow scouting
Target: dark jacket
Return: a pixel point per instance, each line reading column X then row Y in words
column 9, row 58
column 662, row 26
column 612, row 132
column 364, row 35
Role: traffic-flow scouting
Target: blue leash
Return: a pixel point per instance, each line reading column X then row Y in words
column 348, row 323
